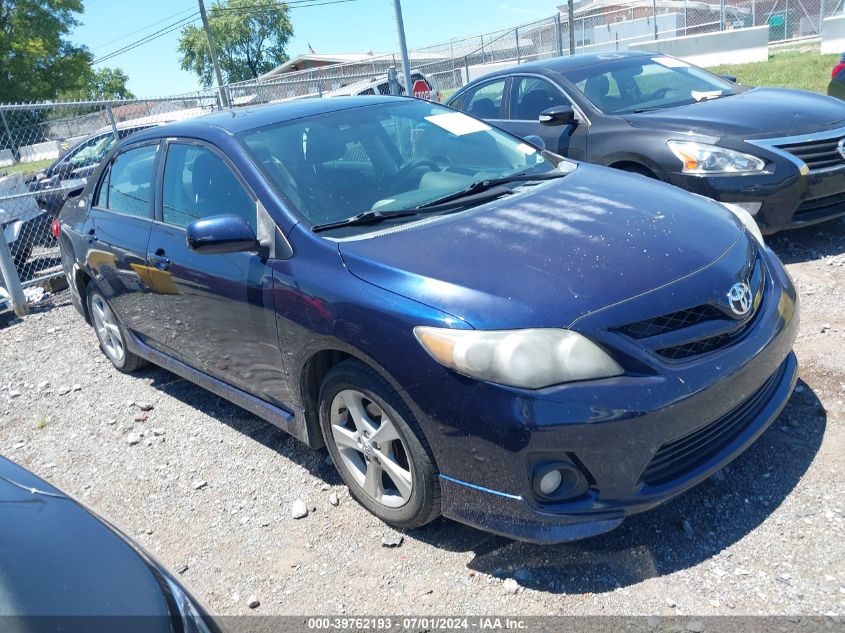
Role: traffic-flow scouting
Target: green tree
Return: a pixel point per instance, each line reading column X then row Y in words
column 103, row 83
column 37, row 61
column 250, row 36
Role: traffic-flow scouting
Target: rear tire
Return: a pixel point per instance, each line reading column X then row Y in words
column 378, row 447
column 110, row 332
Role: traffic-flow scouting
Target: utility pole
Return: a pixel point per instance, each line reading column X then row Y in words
column 212, row 49
column 403, row 49
column 571, row 15
column 654, row 15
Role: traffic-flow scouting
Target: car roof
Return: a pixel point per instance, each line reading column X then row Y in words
column 235, row 121
column 567, row 63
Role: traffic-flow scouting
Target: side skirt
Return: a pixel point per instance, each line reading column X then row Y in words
column 290, row 422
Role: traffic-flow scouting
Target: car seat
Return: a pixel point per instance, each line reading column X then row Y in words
column 533, row 103
column 484, row 109
column 596, row 89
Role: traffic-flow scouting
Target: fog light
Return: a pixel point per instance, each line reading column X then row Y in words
column 750, row 207
column 550, row 482
column 557, row 480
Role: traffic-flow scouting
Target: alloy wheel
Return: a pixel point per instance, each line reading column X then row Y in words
column 108, row 330
column 371, row 448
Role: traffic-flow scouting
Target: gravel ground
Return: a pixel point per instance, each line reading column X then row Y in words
column 209, row 489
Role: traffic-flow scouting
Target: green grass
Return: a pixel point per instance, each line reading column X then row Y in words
column 41, row 423
column 27, row 169
column 803, row 68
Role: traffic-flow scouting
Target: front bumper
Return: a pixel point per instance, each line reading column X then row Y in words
column 485, row 437
column 791, row 196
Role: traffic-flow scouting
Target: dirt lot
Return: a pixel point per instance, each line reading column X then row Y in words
column 208, row 489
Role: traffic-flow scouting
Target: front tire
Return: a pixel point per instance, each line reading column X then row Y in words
column 110, row 333
column 378, row 447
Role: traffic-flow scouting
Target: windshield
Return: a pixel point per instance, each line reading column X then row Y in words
column 92, row 152
column 638, row 84
column 384, row 157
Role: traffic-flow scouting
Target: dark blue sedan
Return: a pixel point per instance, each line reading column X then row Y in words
column 473, row 328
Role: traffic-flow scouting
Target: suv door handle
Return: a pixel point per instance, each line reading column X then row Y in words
column 159, row 260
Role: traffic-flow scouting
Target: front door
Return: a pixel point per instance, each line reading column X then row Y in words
column 529, row 96
column 216, row 311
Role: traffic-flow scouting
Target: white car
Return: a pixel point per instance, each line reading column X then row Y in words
column 422, row 87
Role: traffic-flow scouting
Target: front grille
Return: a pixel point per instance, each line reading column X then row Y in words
column 819, row 154
column 833, row 203
column 682, row 455
column 671, row 322
column 698, row 347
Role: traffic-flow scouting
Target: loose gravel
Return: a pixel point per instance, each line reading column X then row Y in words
column 255, row 522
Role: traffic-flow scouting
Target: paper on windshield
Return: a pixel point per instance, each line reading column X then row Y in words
column 457, row 123
column 701, row 95
column 670, row 62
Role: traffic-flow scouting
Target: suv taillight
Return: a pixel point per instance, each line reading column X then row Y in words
column 55, row 227
column 837, row 69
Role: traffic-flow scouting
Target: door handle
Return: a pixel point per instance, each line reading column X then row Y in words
column 92, row 236
column 159, row 260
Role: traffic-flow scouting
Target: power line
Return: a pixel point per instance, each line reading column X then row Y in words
column 156, row 23
column 178, row 24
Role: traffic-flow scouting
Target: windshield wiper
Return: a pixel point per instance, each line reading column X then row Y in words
column 366, row 217
column 484, row 185
column 484, row 189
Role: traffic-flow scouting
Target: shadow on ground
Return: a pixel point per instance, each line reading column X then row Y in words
column 813, row 242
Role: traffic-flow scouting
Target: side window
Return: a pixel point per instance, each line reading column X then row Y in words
column 198, row 184
column 127, row 185
column 485, row 102
column 532, row 95
column 602, row 91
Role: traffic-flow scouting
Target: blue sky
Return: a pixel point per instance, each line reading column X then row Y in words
column 350, row 27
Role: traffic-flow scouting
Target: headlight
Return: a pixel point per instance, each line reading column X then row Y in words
column 747, row 220
column 529, row 359
column 698, row 158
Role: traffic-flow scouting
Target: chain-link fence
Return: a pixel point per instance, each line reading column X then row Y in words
column 47, row 151
column 597, row 26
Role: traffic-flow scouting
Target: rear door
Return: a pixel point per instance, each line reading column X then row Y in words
column 118, row 230
column 215, row 311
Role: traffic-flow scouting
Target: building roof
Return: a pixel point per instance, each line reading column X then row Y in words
column 335, row 58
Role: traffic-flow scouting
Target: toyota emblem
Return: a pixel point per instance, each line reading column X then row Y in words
column 739, row 298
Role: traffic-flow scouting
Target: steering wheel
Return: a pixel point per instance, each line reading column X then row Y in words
column 416, row 164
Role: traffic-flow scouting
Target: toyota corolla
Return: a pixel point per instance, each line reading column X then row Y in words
column 473, row 328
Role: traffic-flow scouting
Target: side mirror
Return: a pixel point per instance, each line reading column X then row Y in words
column 557, row 115
column 221, row 234
column 536, row 141
column 731, row 78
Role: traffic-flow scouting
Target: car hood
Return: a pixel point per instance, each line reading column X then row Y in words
column 57, row 559
column 549, row 253
column 759, row 112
